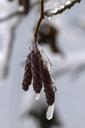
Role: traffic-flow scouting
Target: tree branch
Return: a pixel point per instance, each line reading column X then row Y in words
column 40, row 20
column 61, row 9
column 51, row 12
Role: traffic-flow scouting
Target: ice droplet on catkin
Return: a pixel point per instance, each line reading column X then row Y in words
column 50, row 111
column 49, row 18
column 37, row 96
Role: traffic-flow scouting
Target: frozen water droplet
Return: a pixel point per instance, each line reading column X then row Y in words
column 37, row 96
column 49, row 18
column 50, row 111
column 21, row 9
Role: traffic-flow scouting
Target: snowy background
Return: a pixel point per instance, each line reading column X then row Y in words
column 70, row 97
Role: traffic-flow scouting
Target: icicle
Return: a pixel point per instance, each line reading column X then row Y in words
column 37, row 96
column 68, row 2
column 50, row 111
column 49, row 18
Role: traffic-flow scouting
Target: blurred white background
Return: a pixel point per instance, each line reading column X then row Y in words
column 70, row 89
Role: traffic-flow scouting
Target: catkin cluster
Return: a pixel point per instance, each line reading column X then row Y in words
column 37, row 71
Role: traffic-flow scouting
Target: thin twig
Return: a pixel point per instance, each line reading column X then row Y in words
column 17, row 13
column 40, row 20
column 61, row 9
column 51, row 12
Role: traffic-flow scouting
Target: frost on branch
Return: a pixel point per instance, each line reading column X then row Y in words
column 58, row 10
column 37, row 70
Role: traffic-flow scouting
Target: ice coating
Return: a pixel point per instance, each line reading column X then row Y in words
column 37, row 96
column 50, row 111
column 47, row 61
column 49, row 18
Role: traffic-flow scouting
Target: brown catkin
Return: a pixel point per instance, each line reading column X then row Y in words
column 28, row 74
column 48, row 87
column 36, row 69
